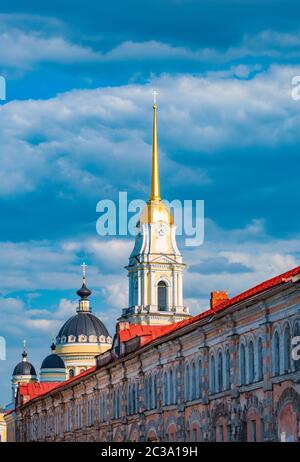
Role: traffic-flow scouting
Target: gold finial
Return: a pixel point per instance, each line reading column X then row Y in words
column 155, row 185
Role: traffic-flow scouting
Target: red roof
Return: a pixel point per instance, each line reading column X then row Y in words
column 34, row 389
column 146, row 333
column 37, row 389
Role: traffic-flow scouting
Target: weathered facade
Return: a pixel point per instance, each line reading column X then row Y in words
column 225, row 375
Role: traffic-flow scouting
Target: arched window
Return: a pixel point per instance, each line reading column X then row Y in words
column 154, row 391
column 166, row 398
column 146, row 392
column 137, row 399
column 175, row 384
column 149, row 392
column 276, row 354
column 212, row 374
column 187, row 383
column 296, row 334
column 71, row 373
column 200, row 378
column 260, row 359
column 114, row 405
column 243, row 364
column 162, row 296
column 129, row 400
column 227, row 370
column 220, row 371
column 133, row 399
column 251, row 362
column 194, row 381
column 287, row 349
column 118, row 403
column 171, row 391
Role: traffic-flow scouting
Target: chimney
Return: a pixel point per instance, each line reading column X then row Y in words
column 122, row 325
column 217, row 297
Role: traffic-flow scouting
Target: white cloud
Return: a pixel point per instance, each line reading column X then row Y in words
column 81, row 137
column 266, row 43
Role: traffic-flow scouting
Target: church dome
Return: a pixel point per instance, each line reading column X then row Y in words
column 53, row 361
column 83, row 325
column 24, row 367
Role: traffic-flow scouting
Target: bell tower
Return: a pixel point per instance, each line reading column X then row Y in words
column 155, row 269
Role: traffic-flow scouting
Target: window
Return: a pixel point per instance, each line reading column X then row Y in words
column 162, row 296
column 133, row 400
column 227, row 370
column 71, row 373
column 171, row 391
column 287, row 349
column 260, row 359
column 194, row 435
column 200, row 378
column 243, row 365
column 187, row 382
column 221, row 434
column 251, row 362
column 194, row 381
column 212, row 375
column 276, row 354
column 220, row 371
column 175, row 384
column 137, row 398
column 166, row 397
column 129, row 400
column 253, row 430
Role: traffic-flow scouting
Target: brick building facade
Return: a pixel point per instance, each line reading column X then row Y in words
column 225, row 375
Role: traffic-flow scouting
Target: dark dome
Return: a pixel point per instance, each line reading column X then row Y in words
column 83, row 323
column 24, row 368
column 84, row 292
column 53, row 361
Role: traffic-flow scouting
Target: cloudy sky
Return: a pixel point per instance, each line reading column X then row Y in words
column 76, row 128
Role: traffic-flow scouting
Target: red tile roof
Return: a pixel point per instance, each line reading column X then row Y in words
column 33, row 389
column 40, row 389
column 146, row 333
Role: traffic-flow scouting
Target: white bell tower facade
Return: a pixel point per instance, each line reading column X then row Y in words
column 155, row 268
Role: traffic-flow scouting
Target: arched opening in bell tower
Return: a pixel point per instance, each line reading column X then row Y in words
column 162, row 296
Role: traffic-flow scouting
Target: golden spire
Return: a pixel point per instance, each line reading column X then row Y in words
column 155, row 185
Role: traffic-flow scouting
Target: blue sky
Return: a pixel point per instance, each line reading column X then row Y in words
column 76, row 128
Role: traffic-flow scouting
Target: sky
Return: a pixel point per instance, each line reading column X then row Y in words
column 76, row 128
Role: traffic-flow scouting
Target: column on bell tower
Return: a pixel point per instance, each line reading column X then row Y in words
column 155, row 266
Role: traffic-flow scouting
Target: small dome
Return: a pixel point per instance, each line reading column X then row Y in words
column 83, row 323
column 53, row 361
column 84, row 292
column 24, row 368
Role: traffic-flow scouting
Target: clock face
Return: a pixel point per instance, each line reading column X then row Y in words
column 162, row 229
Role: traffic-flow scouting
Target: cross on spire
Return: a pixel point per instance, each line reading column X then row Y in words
column 154, row 93
column 83, row 269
